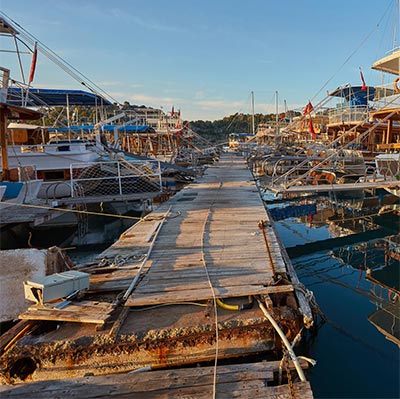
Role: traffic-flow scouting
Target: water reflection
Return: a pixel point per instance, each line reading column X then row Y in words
column 345, row 248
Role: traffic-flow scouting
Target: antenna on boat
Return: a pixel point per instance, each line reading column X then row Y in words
column 252, row 113
column 276, row 117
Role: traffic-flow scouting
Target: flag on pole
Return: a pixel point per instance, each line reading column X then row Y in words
column 364, row 86
column 311, row 129
column 308, row 108
column 33, row 64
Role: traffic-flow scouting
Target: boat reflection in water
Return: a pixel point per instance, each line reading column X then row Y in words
column 346, row 251
column 386, row 280
column 380, row 260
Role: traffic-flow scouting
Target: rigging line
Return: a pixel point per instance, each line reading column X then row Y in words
column 72, row 211
column 63, row 64
column 19, row 59
column 234, row 118
column 352, row 54
column 383, row 32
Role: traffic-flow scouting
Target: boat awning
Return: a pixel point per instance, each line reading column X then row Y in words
column 385, row 112
column 104, row 128
column 55, row 97
column 390, row 64
column 135, row 129
column 357, row 96
column 81, row 128
column 350, row 92
column 15, row 112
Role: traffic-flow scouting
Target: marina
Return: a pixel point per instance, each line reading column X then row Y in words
column 146, row 253
column 183, row 276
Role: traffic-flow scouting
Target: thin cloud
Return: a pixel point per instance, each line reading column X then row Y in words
column 221, row 104
column 146, row 23
column 109, row 83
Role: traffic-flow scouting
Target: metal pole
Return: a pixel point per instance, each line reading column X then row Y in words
column 119, row 178
column 3, row 143
column 71, row 177
column 252, row 113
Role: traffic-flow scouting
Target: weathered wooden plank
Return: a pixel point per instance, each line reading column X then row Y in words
column 239, row 381
column 183, row 295
column 83, row 312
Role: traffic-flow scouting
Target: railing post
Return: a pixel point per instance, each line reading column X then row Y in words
column 119, row 178
column 71, row 180
column 159, row 175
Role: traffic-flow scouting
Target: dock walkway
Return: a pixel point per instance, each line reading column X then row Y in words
column 212, row 243
column 211, row 237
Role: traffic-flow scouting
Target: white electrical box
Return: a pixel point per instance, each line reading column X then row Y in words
column 56, row 286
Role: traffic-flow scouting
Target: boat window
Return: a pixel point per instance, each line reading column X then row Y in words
column 54, row 175
column 63, row 148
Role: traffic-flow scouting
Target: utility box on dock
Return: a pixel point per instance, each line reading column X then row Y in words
column 56, row 286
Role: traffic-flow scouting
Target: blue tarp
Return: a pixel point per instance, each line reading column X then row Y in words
column 134, row 128
column 53, row 97
column 354, row 95
column 106, row 128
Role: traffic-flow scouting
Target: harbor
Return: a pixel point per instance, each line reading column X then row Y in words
column 185, row 294
column 162, row 242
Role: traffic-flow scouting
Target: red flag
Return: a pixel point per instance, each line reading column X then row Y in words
column 311, row 129
column 308, row 108
column 364, row 86
column 179, row 113
column 33, row 64
column 172, row 111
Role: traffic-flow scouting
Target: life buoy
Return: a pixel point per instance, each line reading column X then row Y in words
column 396, row 89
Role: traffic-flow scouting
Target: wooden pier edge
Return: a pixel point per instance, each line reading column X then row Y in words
column 247, row 380
column 299, row 289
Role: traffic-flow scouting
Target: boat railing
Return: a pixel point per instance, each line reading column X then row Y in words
column 384, row 95
column 24, row 173
column 116, row 178
column 347, row 114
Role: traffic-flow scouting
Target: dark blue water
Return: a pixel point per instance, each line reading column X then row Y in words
column 354, row 359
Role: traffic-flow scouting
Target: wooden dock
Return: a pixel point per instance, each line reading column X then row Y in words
column 233, row 381
column 211, row 244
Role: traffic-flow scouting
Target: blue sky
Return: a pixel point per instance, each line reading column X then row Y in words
column 206, row 56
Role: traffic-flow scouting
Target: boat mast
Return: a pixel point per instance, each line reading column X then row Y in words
column 276, row 117
column 252, row 113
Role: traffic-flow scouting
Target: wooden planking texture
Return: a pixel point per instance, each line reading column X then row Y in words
column 214, row 221
column 83, row 312
column 239, row 381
